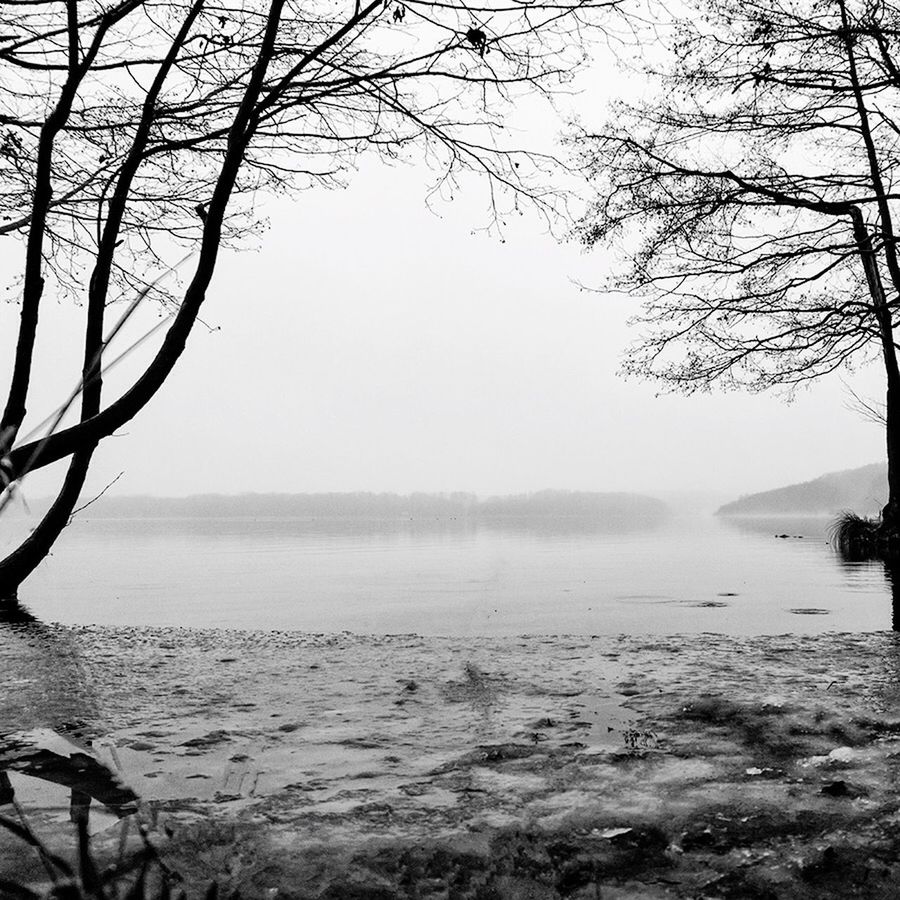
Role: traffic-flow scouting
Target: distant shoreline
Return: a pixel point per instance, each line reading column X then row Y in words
column 381, row 506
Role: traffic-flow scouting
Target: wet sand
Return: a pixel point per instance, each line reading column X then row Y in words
column 332, row 766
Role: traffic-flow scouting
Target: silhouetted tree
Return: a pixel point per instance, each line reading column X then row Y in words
column 134, row 131
column 754, row 196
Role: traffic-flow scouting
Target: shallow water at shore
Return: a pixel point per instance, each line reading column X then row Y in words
column 682, row 575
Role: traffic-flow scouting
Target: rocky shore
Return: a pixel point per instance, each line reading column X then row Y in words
column 346, row 766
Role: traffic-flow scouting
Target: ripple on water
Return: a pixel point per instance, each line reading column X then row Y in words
column 645, row 598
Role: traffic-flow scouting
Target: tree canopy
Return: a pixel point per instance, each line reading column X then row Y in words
column 135, row 134
column 753, row 191
column 755, row 196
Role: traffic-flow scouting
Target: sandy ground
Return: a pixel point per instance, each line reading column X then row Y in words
column 344, row 766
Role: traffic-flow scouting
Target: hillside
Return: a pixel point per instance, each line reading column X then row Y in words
column 862, row 490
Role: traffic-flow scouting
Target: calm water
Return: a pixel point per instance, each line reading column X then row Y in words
column 684, row 575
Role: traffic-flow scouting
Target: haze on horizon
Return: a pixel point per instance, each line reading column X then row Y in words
column 372, row 343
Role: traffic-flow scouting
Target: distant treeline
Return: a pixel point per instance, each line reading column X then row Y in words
column 363, row 505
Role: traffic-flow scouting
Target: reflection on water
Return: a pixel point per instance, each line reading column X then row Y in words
column 892, row 574
column 17, row 614
column 47, row 762
column 860, row 569
column 461, row 577
column 35, row 764
column 371, row 530
column 44, row 665
column 789, row 528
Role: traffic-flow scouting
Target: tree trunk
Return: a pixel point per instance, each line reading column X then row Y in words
column 81, row 440
column 34, row 549
column 890, row 515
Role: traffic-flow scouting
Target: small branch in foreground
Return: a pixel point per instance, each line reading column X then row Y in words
column 868, row 409
column 95, row 498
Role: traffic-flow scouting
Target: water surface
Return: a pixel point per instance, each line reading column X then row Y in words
column 686, row 574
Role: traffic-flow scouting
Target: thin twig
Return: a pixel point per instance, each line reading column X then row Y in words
column 868, row 409
column 94, row 499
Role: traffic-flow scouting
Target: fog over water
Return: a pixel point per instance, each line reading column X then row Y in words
column 385, row 346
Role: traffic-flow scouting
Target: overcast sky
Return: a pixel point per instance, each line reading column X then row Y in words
column 374, row 344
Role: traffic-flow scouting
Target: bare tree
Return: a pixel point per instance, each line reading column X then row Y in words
column 754, row 197
column 134, row 131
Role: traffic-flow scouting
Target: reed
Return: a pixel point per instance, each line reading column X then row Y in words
column 138, row 876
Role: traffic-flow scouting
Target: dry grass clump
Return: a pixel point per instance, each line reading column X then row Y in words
column 855, row 536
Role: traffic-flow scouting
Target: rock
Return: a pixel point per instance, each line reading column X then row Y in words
column 609, row 833
column 835, row 789
column 208, row 740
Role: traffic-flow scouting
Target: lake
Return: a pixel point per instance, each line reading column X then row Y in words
column 685, row 574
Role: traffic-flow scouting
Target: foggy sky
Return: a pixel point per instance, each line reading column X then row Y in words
column 372, row 344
